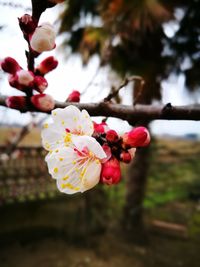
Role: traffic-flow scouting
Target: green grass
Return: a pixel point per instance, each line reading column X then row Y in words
column 174, row 171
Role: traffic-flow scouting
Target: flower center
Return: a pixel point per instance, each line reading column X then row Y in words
column 68, row 138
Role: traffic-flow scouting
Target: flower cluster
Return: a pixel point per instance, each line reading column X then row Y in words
column 29, row 82
column 82, row 153
column 32, row 82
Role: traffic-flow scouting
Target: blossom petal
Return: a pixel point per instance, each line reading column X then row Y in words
column 67, row 118
column 74, row 120
column 87, row 124
column 91, row 176
column 61, row 161
column 86, row 141
column 52, row 136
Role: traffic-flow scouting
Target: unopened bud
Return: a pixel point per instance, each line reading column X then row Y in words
column 27, row 24
column 40, row 83
column 125, row 157
column 21, row 79
column 43, row 102
column 74, row 96
column 10, row 65
column 100, row 128
column 25, row 77
column 47, row 65
column 16, row 102
column 13, row 81
column 112, row 136
column 111, row 172
column 137, row 137
column 43, row 38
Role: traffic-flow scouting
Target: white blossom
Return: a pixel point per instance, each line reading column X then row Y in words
column 67, row 123
column 74, row 157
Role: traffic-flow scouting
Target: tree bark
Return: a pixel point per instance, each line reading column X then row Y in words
column 136, row 183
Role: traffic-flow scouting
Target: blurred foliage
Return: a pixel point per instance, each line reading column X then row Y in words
column 173, row 176
column 130, row 37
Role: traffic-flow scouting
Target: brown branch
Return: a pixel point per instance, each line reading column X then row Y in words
column 131, row 113
column 39, row 6
column 122, row 85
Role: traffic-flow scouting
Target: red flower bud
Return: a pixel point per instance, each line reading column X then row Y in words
column 112, row 136
column 100, row 127
column 16, row 102
column 25, row 77
column 40, row 83
column 10, row 65
column 74, row 96
column 47, row 65
column 111, row 172
column 43, row 102
column 13, row 81
column 27, row 24
column 125, row 157
column 21, row 79
column 137, row 137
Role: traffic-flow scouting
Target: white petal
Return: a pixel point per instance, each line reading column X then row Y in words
column 71, row 118
column 91, row 144
column 70, row 186
column 92, row 175
column 67, row 118
column 52, row 136
column 87, row 124
column 61, row 162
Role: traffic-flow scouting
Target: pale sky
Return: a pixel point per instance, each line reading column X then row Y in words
column 70, row 75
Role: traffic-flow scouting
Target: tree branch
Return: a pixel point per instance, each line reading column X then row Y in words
column 131, row 113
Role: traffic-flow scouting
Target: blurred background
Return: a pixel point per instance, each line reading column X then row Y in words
column 153, row 216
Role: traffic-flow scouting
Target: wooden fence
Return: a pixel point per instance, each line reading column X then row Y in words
column 25, row 177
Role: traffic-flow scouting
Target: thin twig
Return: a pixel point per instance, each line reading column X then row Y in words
column 91, row 81
column 122, row 85
column 21, row 135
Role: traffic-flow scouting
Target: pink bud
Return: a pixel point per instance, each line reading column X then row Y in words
column 40, row 83
column 111, row 172
column 43, row 102
column 21, row 79
column 27, row 24
column 13, row 81
column 100, row 128
column 47, row 65
column 125, row 157
column 10, row 65
column 137, row 137
column 112, row 136
column 74, row 96
column 25, row 77
column 16, row 102
column 43, row 38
